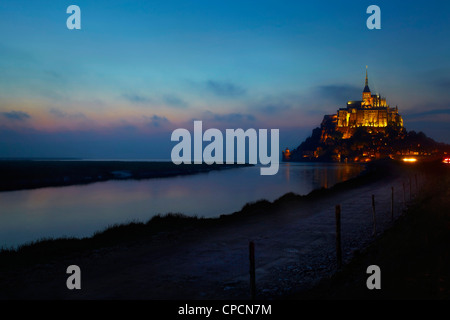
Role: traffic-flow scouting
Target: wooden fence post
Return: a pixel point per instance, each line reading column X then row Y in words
column 252, row 270
column 392, row 207
column 338, row 237
column 374, row 218
column 410, row 189
column 404, row 194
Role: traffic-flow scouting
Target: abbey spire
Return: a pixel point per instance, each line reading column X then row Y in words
column 366, row 87
column 366, row 95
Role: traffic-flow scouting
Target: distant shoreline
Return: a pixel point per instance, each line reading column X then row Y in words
column 32, row 174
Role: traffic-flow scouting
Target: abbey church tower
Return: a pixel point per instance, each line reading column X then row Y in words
column 372, row 112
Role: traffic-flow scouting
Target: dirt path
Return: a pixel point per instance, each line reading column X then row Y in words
column 294, row 248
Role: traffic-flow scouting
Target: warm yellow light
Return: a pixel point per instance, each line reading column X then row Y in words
column 409, row 159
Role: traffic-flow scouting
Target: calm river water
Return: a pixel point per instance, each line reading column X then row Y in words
column 79, row 211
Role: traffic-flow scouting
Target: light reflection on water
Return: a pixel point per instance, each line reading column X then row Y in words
column 79, row 211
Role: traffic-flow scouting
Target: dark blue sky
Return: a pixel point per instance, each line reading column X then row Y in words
column 139, row 69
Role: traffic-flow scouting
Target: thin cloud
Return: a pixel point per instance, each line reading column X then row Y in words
column 16, row 115
column 234, row 117
column 326, row 99
column 436, row 79
column 273, row 109
column 275, row 104
column 224, row 89
column 441, row 84
column 157, row 121
column 429, row 113
column 63, row 114
column 175, row 101
column 338, row 94
column 136, row 98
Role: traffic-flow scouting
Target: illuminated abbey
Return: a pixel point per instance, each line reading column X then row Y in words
column 363, row 131
column 372, row 112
